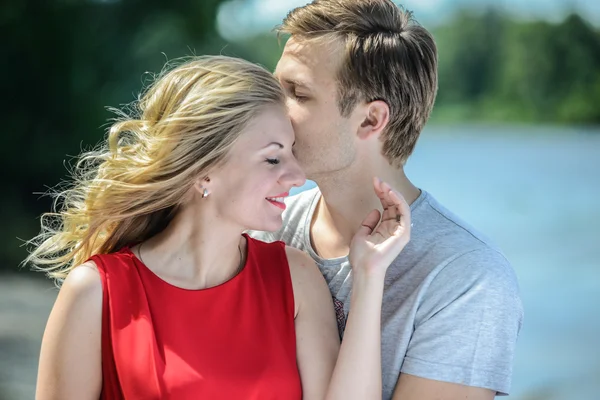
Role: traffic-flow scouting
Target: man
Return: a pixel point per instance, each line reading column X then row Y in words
column 361, row 80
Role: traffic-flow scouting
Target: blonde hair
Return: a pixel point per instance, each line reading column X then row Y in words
column 127, row 191
column 387, row 56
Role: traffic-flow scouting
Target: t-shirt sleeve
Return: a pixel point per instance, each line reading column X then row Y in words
column 467, row 323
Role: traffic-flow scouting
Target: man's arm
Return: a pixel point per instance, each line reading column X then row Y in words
column 412, row 387
column 465, row 332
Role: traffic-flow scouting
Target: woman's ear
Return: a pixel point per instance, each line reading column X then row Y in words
column 202, row 186
column 376, row 118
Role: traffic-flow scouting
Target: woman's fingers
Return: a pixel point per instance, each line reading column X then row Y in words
column 381, row 237
column 381, row 189
column 396, row 216
column 403, row 209
column 368, row 224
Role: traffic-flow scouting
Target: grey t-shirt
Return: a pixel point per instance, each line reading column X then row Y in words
column 451, row 306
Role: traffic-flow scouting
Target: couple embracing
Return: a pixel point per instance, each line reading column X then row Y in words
column 186, row 272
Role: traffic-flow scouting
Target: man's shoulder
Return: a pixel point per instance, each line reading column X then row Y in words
column 444, row 241
column 449, row 279
column 445, row 230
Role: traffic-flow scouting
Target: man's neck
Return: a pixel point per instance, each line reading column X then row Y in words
column 346, row 200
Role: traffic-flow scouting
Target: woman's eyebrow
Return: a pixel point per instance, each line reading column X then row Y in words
column 275, row 144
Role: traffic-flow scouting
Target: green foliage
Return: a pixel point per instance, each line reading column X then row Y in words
column 65, row 61
column 493, row 68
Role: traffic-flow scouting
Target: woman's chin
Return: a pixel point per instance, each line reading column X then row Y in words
column 269, row 226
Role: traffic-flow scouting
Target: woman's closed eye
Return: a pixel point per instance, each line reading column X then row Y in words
column 272, row 161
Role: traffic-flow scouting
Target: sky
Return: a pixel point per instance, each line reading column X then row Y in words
column 241, row 18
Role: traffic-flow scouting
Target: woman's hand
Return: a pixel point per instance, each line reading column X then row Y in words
column 381, row 237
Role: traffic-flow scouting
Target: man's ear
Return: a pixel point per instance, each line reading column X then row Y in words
column 376, row 118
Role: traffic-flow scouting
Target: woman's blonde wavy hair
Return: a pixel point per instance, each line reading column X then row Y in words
column 182, row 126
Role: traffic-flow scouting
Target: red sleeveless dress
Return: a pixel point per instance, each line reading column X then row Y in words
column 233, row 341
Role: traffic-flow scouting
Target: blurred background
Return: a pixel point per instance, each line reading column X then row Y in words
column 513, row 145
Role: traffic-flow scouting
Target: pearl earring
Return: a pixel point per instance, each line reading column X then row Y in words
column 205, row 193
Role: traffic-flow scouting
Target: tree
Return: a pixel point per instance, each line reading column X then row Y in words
column 64, row 63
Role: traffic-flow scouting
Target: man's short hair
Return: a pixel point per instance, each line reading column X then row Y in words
column 388, row 56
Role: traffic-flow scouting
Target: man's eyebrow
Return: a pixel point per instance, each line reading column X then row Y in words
column 295, row 82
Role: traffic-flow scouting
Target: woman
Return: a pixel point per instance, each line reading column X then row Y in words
column 163, row 296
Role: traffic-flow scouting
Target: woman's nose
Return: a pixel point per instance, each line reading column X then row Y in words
column 294, row 176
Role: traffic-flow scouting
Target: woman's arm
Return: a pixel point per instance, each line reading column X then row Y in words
column 355, row 373
column 317, row 336
column 325, row 371
column 70, row 358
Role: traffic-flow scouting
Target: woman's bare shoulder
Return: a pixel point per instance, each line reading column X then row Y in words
column 83, row 284
column 306, row 277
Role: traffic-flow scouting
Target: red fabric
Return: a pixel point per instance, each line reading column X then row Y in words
column 233, row 341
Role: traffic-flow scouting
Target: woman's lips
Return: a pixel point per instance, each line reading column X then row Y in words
column 277, row 204
column 277, row 201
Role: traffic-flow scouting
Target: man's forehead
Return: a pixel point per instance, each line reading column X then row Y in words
column 307, row 61
column 294, row 73
column 313, row 52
